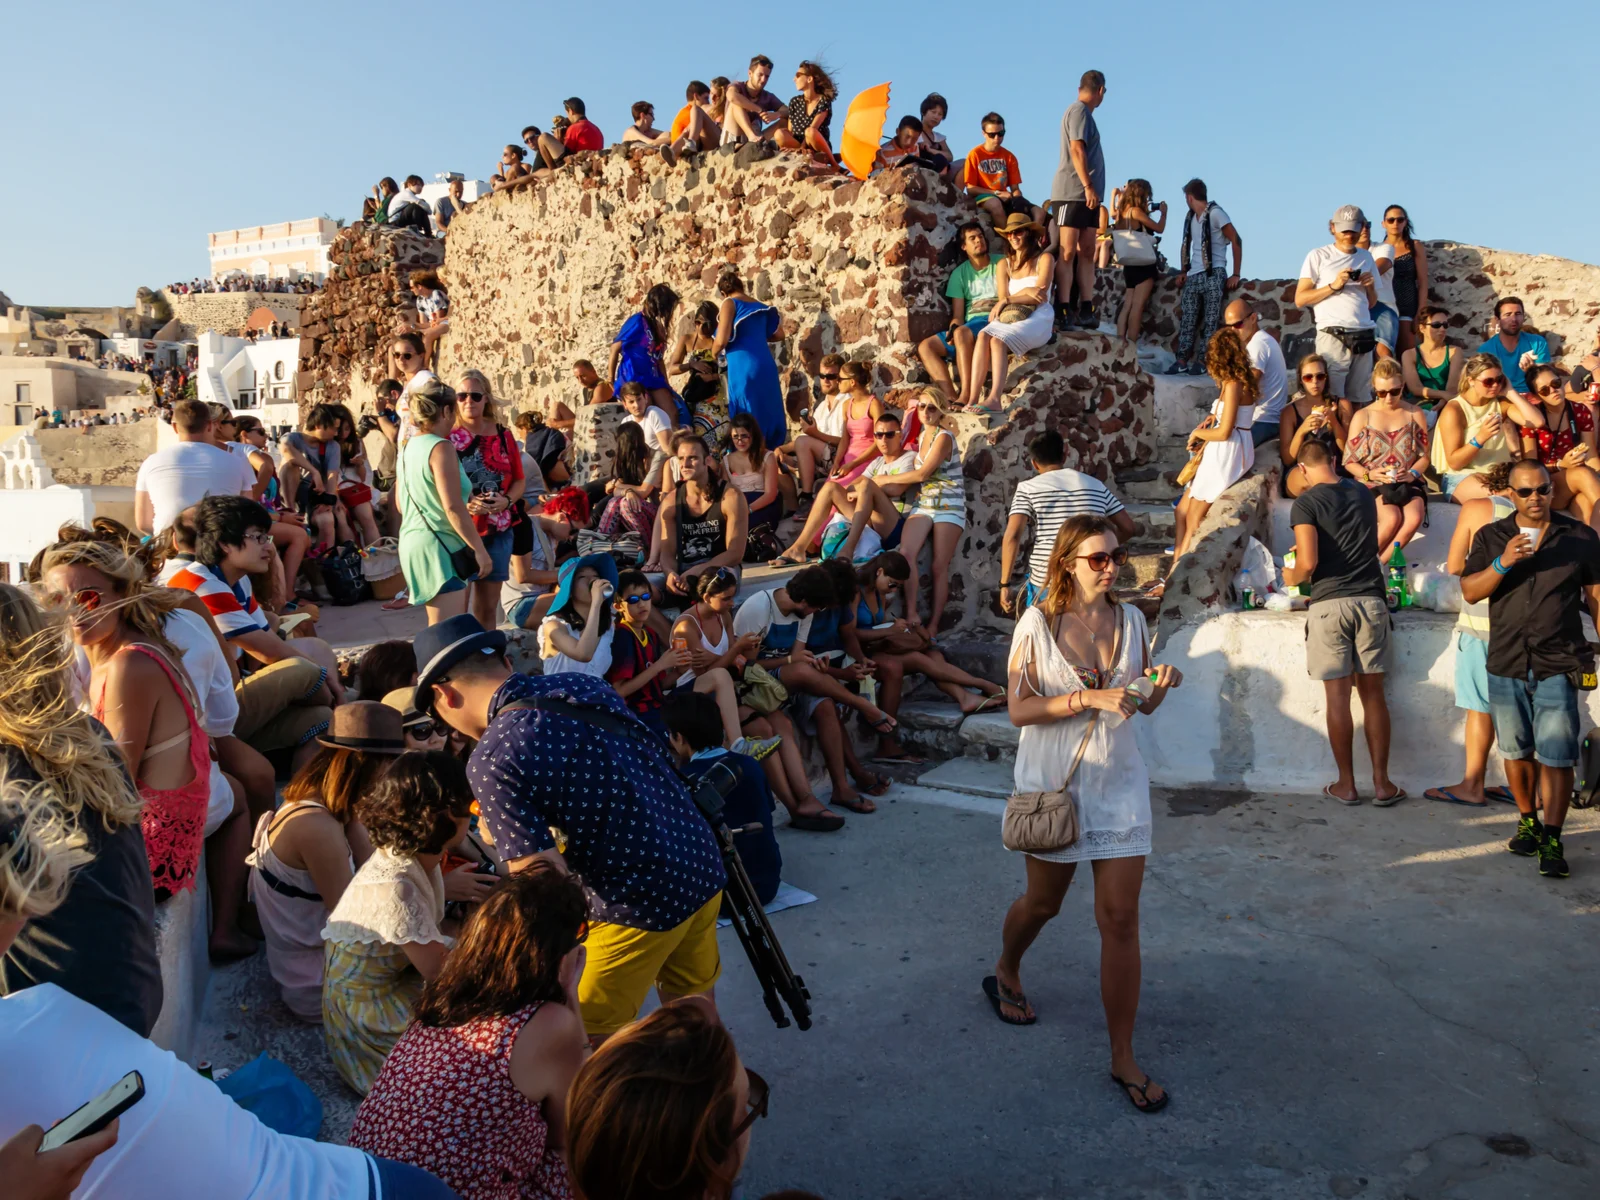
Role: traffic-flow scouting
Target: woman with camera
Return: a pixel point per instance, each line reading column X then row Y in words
column 1080, row 669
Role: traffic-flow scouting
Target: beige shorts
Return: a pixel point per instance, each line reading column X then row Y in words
column 1347, row 636
column 274, row 708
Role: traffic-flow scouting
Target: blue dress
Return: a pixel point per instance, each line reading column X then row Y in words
column 752, row 374
column 640, row 361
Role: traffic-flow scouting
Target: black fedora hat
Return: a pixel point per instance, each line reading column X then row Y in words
column 367, row 726
column 440, row 647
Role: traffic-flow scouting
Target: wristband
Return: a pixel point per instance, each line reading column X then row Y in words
column 1475, row 443
column 1499, row 567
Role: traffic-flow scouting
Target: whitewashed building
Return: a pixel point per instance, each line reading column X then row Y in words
column 256, row 377
column 287, row 250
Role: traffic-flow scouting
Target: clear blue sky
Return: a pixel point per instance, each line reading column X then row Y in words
column 136, row 130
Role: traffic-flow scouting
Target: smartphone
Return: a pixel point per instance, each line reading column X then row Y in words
column 97, row 1114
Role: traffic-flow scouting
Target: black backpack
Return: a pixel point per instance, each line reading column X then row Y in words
column 1586, row 779
column 342, row 576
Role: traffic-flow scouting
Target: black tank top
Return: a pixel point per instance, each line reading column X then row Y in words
column 699, row 538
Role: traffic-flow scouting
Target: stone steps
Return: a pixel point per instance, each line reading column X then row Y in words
column 981, row 747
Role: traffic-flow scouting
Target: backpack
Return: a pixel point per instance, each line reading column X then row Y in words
column 1586, row 779
column 343, row 577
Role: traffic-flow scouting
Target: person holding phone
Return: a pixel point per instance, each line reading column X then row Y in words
column 492, row 460
column 1338, row 282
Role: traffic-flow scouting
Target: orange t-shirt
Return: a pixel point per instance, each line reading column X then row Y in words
column 680, row 123
column 992, row 171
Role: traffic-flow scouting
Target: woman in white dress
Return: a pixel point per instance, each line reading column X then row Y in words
column 1073, row 658
column 1228, row 450
column 1026, row 275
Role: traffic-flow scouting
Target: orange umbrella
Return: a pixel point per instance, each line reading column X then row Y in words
column 863, row 130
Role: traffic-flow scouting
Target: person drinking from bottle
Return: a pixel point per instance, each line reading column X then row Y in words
column 579, row 781
column 1477, row 429
column 1566, row 444
column 1538, row 569
column 1079, row 670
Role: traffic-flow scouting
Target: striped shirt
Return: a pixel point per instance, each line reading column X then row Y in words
column 233, row 608
column 1050, row 499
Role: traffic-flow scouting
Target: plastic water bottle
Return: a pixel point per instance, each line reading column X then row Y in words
column 1143, row 686
column 1299, row 589
column 1398, row 591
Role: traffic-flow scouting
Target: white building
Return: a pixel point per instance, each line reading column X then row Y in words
column 256, row 377
column 287, row 250
column 157, row 354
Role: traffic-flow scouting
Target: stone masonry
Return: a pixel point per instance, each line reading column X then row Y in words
column 227, row 312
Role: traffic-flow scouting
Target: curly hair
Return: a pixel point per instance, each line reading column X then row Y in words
column 415, row 806
column 652, row 1114
column 1227, row 363
column 510, row 950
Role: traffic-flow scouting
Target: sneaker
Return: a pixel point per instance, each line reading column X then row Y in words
column 1551, row 863
column 1087, row 317
column 1177, row 368
column 1065, row 320
column 756, row 748
column 1527, row 839
column 1197, row 368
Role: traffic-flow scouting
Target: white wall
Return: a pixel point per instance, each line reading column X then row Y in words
column 1247, row 716
column 29, row 519
column 230, row 369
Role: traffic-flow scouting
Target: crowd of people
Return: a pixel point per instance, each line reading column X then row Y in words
column 238, row 281
column 439, row 882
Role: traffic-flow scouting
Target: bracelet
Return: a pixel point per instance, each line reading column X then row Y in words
column 1499, row 567
column 1475, row 443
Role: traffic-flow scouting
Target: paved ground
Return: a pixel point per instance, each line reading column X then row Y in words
column 1345, row 1002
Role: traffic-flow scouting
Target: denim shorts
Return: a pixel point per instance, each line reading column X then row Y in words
column 499, row 547
column 1451, row 480
column 1472, row 673
column 1536, row 720
column 974, row 326
column 1385, row 324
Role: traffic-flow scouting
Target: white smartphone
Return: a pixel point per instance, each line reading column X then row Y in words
column 97, row 1114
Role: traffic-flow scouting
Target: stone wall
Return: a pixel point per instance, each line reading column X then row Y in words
column 99, row 455
column 227, row 312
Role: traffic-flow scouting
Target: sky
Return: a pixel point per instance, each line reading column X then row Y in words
column 134, row 134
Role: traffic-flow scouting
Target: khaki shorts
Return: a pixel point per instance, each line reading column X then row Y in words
column 273, row 709
column 623, row 964
column 1347, row 636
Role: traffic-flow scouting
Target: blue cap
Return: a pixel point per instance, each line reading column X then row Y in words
column 602, row 564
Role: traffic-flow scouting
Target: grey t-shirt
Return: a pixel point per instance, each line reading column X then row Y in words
column 323, row 455
column 1078, row 126
column 1346, row 519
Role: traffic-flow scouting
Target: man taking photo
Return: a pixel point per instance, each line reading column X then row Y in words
column 1537, row 568
column 1335, row 524
column 582, row 783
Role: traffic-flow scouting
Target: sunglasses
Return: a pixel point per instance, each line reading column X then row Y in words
column 87, row 599
column 404, row 355
column 1544, row 489
column 1314, row 377
column 641, row 598
column 473, row 396
column 756, row 1104
column 1493, row 381
column 1236, row 324
column 825, row 375
column 994, row 133
column 1549, row 389
column 426, row 728
column 879, row 434
column 1433, row 325
column 1394, row 220
column 1385, row 392
column 1101, row 559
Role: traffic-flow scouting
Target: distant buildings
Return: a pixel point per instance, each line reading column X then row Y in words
column 248, row 376
column 287, row 250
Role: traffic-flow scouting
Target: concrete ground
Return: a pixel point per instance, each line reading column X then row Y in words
column 1345, row 1002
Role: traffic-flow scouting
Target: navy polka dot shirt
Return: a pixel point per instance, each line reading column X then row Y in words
column 647, row 857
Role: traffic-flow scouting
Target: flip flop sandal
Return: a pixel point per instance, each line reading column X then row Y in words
column 1500, row 794
column 990, row 703
column 885, row 727
column 817, row 823
column 1000, row 997
column 899, row 760
column 1129, row 1087
column 1446, row 796
column 783, row 561
column 879, row 786
column 858, row 805
column 1389, row 801
column 1327, row 790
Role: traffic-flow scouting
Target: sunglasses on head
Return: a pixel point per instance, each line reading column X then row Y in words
column 1544, row 489
column 1101, row 559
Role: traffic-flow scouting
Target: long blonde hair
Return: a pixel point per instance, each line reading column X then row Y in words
column 39, row 851
column 142, row 606
column 41, row 721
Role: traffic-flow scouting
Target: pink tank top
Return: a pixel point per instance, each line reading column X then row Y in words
column 173, row 819
column 857, row 441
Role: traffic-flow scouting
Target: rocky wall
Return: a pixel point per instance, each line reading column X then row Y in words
column 99, row 455
column 227, row 312
column 344, row 328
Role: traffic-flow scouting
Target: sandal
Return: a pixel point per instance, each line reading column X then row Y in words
column 1000, row 995
column 1129, row 1087
column 902, row 759
column 783, row 560
column 824, row 822
column 885, row 726
column 859, row 805
column 989, row 703
column 1446, row 796
column 878, row 786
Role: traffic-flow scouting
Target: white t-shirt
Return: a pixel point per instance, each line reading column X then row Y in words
column 557, row 663
column 1346, row 309
column 880, row 468
column 1383, row 252
column 207, row 670
column 1266, row 356
column 779, row 631
column 655, row 422
column 186, row 474
column 1048, row 500
column 830, row 420
column 184, row 1138
column 1219, row 244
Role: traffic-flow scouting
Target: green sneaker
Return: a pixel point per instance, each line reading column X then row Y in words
column 1552, row 865
column 1529, row 835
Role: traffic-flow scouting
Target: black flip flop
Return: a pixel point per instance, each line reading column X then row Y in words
column 991, row 989
column 1149, row 1106
column 831, row 823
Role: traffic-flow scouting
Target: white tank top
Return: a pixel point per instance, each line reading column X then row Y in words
column 719, row 649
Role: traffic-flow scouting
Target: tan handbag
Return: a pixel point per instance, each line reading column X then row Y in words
column 1044, row 822
column 1012, row 314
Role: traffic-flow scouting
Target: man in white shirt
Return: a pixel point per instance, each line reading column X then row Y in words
column 872, row 499
column 1266, row 360
column 181, row 476
column 1045, row 502
column 655, row 422
column 1203, row 278
column 820, row 437
column 1338, row 283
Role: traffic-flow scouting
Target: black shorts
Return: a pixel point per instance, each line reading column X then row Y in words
column 1075, row 214
column 1132, row 277
column 522, row 536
